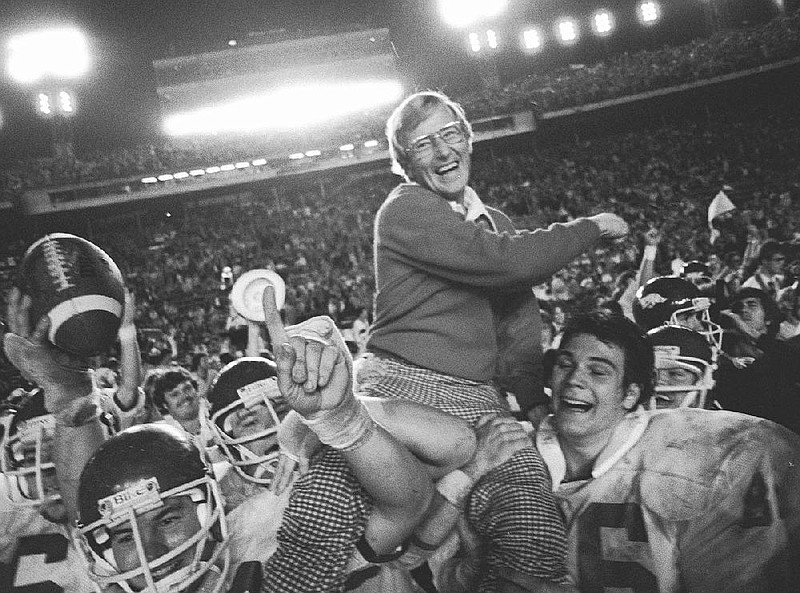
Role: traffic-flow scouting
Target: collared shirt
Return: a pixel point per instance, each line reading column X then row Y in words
column 770, row 284
column 472, row 208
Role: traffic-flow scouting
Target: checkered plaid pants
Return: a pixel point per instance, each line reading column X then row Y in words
column 512, row 507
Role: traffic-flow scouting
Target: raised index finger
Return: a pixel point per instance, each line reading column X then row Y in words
column 272, row 319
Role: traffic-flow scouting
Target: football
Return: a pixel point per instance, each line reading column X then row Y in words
column 79, row 287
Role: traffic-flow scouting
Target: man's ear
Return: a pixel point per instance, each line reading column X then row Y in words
column 632, row 394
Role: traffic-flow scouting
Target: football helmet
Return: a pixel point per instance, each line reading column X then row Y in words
column 700, row 275
column 27, row 432
column 246, row 383
column 679, row 348
column 134, row 482
column 675, row 301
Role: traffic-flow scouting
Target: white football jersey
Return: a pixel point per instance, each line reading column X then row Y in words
column 37, row 556
column 684, row 500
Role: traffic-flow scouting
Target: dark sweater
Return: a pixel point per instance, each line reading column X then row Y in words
column 438, row 277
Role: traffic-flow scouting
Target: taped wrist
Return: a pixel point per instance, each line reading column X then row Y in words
column 127, row 332
column 346, row 427
column 455, row 487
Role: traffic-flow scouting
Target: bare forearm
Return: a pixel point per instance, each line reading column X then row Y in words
column 130, row 368
column 74, row 445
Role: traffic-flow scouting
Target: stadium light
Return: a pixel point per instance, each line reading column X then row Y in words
column 66, row 103
column 532, row 39
column 43, row 104
column 296, row 156
column 462, row 13
column 602, row 23
column 310, row 153
column 57, row 53
column 474, row 42
column 567, row 31
column 181, row 175
column 51, row 104
column 227, row 167
column 491, row 39
column 648, row 12
column 370, row 144
column 286, row 108
column 259, row 162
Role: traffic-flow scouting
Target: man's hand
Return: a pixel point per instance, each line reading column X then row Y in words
column 298, row 445
column 313, row 373
column 652, row 237
column 611, row 225
column 64, row 377
column 499, row 438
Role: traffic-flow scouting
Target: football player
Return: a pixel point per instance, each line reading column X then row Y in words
column 676, row 301
column 245, row 418
column 36, row 549
column 683, row 360
column 690, row 500
column 315, row 548
column 151, row 515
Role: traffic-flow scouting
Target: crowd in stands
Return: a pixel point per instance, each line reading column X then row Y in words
column 725, row 52
column 663, row 179
column 627, row 74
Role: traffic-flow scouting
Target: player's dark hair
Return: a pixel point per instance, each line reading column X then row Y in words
column 611, row 328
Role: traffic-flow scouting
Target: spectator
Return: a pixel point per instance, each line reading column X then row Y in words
column 759, row 374
column 769, row 276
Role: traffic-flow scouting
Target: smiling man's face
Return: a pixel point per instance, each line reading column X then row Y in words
column 444, row 169
column 589, row 397
column 161, row 530
column 183, row 402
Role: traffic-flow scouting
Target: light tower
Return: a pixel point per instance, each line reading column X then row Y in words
column 476, row 17
column 48, row 63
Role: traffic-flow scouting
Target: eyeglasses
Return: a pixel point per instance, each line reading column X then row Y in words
column 452, row 133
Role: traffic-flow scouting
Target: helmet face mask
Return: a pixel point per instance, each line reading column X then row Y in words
column 252, row 451
column 27, row 447
column 242, row 418
column 156, row 525
column 684, row 368
column 670, row 300
column 700, row 306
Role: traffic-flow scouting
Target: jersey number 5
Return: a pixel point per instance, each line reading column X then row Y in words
column 596, row 572
column 33, row 562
